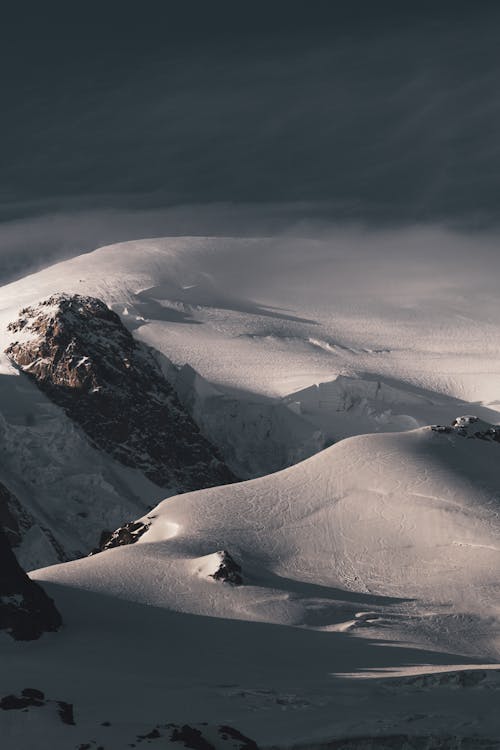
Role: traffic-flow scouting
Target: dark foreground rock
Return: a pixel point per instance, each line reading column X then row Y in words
column 25, row 609
column 17, row 523
column 31, row 697
column 80, row 354
column 201, row 737
column 14, row 519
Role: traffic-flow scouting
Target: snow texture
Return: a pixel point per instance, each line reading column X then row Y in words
column 369, row 610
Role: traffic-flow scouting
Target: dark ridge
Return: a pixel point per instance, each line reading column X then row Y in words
column 25, row 609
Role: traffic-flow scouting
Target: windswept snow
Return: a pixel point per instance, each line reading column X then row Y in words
column 272, row 316
column 286, row 344
column 399, row 516
column 376, row 558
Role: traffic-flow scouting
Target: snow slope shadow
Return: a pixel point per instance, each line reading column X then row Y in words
column 148, row 308
column 239, row 649
column 305, row 589
column 138, row 661
column 328, row 607
column 68, row 491
column 155, row 303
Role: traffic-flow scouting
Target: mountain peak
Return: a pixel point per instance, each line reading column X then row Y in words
column 81, row 355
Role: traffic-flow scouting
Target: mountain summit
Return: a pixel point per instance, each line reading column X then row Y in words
column 81, row 355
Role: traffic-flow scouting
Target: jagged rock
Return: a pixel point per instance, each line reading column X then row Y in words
column 79, row 353
column 33, row 693
column 204, row 737
column 65, row 711
column 241, row 742
column 470, row 426
column 191, row 737
column 129, row 533
column 25, row 609
column 14, row 519
column 32, row 697
column 228, row 571
column 28, row 697
column 17, row 523
column 152, row 735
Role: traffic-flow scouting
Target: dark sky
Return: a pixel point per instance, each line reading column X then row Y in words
column 384, row 112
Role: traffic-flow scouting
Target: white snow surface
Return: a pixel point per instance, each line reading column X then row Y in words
column 273, row 315
column 370, row 562
column 376, row 558
column 410, row 519
column 349, row 339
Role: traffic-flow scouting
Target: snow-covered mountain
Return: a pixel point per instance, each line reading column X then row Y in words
column 351, row 597
column 81, row 356
column 400, row 516
column 79, row 353
column 275, row 352
column 378, row 555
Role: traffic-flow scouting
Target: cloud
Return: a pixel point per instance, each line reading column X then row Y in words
column 387, row 121
column 383, row 119
column 46, row 236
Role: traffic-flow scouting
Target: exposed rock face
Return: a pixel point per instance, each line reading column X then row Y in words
column 17, row 523
column 14, row 520
column 203, row 737
column 80, row 354
column 31, row 697
column 129, row 533
column 470, row 427
column 25, row 609
column 228, row 571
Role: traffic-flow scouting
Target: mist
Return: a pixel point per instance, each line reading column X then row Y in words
column 285, row 120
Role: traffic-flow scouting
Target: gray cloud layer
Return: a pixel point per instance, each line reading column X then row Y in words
column 385, row 118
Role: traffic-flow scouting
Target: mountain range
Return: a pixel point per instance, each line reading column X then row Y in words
column 259, row 506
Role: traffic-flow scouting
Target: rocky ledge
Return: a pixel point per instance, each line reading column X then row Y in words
column 228, row 570
column 129, row 533
column 32, row 697
column 80, row 354
column 25, row 609
column 470, row 427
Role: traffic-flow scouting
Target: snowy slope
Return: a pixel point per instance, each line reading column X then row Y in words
column 70, row 490
column 400, row 515
column 270, row 318
column 377, row 555
column 282, row 350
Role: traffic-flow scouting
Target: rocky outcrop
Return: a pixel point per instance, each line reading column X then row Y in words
column 31, row 697
column 470, row 427
column 79, row 353
column 14, row 519
column 25, row 609
column 129, row 533
column 202, row 737
column 18, row 524
column 228, row 571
